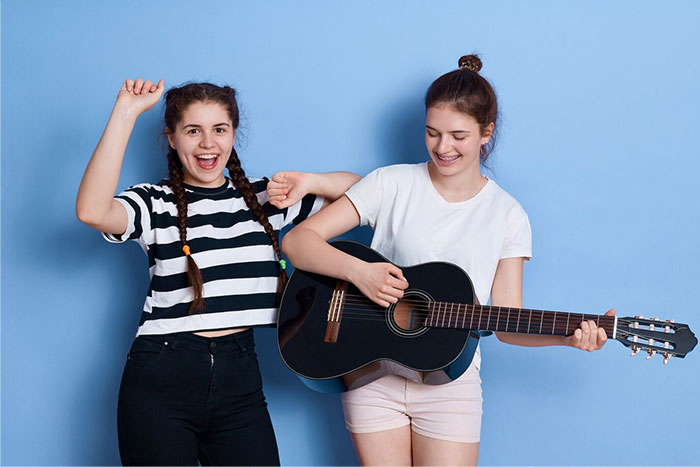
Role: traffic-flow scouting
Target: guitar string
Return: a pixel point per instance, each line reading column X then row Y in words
column 362, row 314
column 455, row 316
column 350, row 314
column 425, row 305
column 621, row 332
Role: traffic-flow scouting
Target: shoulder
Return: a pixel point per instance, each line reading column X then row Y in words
column 400, row 170
column 504, row 202
column 258, row 184
column 394, row 175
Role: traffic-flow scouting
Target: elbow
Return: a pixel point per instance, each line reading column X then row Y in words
column 84, row 215
column 287, row 244
column 88, row 216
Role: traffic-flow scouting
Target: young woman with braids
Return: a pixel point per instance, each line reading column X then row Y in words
column 191, row 389
column 440, row 210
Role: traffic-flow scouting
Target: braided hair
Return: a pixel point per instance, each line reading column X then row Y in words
column 176, row 101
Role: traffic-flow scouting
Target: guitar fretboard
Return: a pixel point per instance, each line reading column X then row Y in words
column 516, row 320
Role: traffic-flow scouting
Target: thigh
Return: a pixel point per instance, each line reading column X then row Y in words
column 390, row 447
column 432, row 451
column 377, row 406
column 448, row 412
column 157, row 417
column 238, row 429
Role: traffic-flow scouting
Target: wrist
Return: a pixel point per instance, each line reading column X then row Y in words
column 312, row 183
column 354, row 269
column 124, row 112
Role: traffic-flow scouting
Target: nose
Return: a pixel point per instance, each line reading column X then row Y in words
column 442, row 145
column 206, row 141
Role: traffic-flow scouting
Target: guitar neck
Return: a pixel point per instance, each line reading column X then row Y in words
column 514, row 320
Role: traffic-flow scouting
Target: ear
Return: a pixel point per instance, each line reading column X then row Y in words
column 487, row 132
column 171, row 139
column 234, row 135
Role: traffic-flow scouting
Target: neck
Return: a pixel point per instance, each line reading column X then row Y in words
column 459, row 186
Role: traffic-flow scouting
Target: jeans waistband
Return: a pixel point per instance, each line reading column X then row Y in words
column 243, row 341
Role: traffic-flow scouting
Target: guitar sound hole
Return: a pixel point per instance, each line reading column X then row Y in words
column 407, row 317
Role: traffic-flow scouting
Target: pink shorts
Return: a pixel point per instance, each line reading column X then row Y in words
column 450, row 412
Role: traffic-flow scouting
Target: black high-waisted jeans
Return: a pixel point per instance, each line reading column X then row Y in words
column 186, row 399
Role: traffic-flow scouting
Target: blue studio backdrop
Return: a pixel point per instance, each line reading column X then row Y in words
column 598, row 141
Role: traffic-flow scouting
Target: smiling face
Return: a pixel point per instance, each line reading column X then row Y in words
column 203, row 139
column 453, row 140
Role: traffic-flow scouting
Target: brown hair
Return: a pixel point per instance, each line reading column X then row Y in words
column 470, row 93
column 176, row 101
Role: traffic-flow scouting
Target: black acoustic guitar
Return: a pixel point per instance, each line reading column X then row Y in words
column 336, row 339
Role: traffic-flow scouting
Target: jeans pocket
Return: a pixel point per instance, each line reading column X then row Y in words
column 145, row 351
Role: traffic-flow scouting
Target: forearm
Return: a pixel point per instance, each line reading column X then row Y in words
column 308, row 251
column 99, row 183
column 527, row 340
column 331, row 185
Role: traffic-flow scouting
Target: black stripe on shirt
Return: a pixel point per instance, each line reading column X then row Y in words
column 174, row 249
column 250, row 270
column 215, row 305
column 307, row 203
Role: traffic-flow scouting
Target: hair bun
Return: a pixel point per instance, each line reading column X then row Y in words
column 470, row 63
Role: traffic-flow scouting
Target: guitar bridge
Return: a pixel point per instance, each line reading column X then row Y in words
column 335, row 312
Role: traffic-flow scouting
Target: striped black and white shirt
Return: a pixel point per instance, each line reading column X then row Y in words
column 237, row 261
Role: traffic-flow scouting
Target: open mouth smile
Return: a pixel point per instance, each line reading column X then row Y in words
column 207, row 161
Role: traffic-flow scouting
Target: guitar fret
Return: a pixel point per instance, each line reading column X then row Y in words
column 517, row 326
column 554, row 322
column 471, row 320
column 529, row 320
column 464, row 316
column 508, row 320
column 541, row 321
column 488, row 320
column 498, row 318
column 566, row 331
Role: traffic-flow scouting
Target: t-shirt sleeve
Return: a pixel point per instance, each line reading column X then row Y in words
column 137, row 202
column 301, row 210
column 294, row 214
column 518, row 238
column 366, row 195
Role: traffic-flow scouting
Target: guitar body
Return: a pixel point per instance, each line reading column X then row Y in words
column 371, row 342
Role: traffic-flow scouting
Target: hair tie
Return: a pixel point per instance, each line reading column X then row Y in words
column 186, row 249
column 283, row 264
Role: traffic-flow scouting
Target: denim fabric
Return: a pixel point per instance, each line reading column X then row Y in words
column 186, row 399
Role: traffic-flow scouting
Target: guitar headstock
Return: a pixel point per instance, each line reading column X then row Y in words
column 667, row 338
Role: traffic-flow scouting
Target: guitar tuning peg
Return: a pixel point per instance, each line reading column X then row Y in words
column 654, row 319
column 666, row 357
column 635, row 351
column 651, row 353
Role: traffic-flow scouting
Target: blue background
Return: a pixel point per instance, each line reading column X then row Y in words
column 600, row 112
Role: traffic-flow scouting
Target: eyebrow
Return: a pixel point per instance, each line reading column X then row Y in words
column 453, row 131
column 195, row 125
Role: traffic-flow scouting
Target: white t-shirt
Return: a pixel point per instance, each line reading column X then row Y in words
column 413, row 224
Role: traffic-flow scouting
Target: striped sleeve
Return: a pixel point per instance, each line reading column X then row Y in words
column 308, row 206
column 137, row 202
column 294, row 214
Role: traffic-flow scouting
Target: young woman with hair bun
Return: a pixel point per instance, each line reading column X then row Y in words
column 191, row 391
column 444, row 209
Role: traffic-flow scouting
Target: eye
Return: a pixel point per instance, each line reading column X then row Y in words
column 432, row 134
column 220, row 130
column 460, row 138
column 192, row 131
